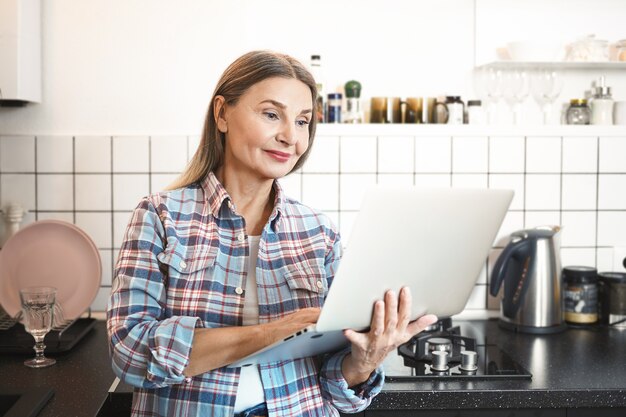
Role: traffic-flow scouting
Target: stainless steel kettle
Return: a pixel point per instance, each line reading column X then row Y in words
column 529, row 268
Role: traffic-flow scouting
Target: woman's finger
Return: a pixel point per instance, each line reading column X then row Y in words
column 421, row 323
column 378, row 318
column 404, row 311
column 391, row 310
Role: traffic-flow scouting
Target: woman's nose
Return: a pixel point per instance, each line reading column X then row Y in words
column 287, row 133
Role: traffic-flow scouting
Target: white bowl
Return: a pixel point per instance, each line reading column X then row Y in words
column 535, row 51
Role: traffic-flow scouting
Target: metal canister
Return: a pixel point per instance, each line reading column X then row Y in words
column 612, row 298
column 580, row 294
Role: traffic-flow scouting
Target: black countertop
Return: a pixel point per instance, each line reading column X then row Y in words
column 579, row 368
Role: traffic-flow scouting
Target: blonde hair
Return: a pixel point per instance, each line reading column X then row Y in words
column 242, row 74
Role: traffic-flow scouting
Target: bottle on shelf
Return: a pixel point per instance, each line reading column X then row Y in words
column 316, row 71
column 602, row 105
column 353, row 112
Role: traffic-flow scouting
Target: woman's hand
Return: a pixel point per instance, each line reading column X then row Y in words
column 389, row 329
column 279, row 329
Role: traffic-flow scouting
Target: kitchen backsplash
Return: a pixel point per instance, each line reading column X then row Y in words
column 575, row 180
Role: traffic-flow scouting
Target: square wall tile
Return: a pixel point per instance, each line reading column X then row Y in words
column 543, row 154
column 612, row 151
column 321, row 191
column 469, row 180
column 324, row 156
column 93, row 154
column 128, row 190
column 604, row 259
column 292, row 185
column 513, row 182
column 161, row 182
column 579, row 228
column 120, row 224
column 55, row 192
column 611, row 228
column 358, row 154
column 580, row 154
column 506, row 154
column 55, row 154
column 352, row 188
column 534, row 219
column 469, row 154
column 131, row 154
column 17, row 154
column 579, row 191
column 395, row 179
column 578, row 256
column 612, row 191
column 168, row 154
column 97, row 226
column 99, row 303
column 56, row 215
column 433, row 180
column 106, row 258
column 433, row 154
column 395, row 154
column 192, row 146
column 18, row 188
column 543, row 192
column 93, row 191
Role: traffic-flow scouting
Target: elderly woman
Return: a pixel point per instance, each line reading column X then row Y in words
column 202, row 278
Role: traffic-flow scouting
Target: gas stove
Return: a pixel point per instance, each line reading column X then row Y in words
column 441, row 352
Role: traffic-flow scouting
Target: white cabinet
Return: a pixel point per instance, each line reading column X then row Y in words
column 20, row 51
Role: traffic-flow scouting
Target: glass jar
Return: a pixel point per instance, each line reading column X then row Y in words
column 333, row 109
column 475, row 113
column 580, row 294
column 578, row 112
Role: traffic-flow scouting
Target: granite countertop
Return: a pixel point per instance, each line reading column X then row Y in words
column 580, row 368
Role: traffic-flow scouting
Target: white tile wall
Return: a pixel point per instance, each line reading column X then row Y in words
column 575, row 181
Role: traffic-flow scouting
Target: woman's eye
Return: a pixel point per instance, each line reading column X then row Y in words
column 271, row 115
column 302, row 123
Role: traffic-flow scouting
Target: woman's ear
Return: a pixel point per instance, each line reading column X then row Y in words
column 219, row 110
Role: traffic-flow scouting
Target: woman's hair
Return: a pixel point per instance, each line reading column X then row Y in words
column 242, row 74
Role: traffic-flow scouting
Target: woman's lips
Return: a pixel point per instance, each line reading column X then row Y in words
column 279, row 156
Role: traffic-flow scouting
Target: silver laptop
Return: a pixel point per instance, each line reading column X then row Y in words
column 433, row 240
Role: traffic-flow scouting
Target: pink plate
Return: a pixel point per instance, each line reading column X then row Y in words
column 53, row 253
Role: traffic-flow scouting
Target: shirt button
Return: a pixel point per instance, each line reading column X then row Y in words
column 319, row 284
column 239, row 290
column 188, row 380
column 182, row 264
column 241, row 237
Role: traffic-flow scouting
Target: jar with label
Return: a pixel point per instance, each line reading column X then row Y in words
column 456, row 110
column 578, row 112
column 580, row 294
column 475, row 113
column 333, row 110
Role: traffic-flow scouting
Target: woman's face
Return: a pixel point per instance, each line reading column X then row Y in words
column 268, row 129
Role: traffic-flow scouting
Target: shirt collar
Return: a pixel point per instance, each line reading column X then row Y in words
column 217, row 197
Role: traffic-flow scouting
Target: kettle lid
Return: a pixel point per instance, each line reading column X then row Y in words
column 537, row 232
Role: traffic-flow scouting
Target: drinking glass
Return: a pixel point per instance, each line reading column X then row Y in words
column 488, row 85
column 516, row 89
column 38, row 314
column 546, row 86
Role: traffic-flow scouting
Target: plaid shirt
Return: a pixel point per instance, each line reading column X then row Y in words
column 182, row 265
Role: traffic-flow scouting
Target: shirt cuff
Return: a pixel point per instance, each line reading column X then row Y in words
column 367, row 389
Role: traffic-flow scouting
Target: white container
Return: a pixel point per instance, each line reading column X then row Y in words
column 619, row 113
column 536, row 51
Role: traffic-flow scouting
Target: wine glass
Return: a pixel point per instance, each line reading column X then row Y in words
column 516, row 89
column 546, row 86
column 488, row 83
column 38, row 314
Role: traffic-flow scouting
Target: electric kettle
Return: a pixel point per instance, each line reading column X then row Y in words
column 529, row 268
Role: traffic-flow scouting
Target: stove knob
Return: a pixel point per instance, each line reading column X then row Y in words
column 469, row 358
column 440, row 360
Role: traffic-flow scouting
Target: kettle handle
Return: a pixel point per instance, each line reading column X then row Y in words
column 499, row 269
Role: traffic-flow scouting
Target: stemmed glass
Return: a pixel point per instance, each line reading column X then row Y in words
column 488, row 84
column 516, row 89
column 546, row 86
column 38, row 313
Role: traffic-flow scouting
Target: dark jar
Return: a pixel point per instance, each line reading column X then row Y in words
column 580, row 294
column 612, row 298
